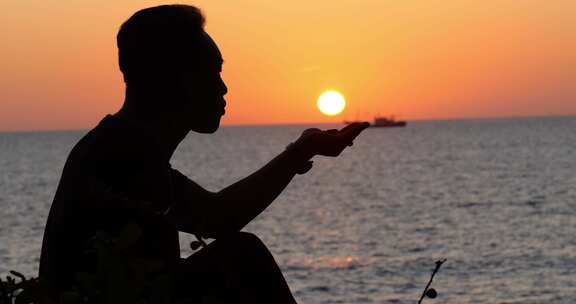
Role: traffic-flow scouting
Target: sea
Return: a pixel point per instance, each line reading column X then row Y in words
column 495, row 197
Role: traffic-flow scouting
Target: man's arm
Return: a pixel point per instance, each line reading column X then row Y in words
column 232, row 208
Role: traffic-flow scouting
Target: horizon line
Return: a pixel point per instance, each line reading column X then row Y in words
column 325, row 123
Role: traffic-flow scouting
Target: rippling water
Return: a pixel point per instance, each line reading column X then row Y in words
column 497, row 198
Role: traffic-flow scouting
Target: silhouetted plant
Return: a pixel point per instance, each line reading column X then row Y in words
column 431, row 292
column 118, row 279
column 23, row 291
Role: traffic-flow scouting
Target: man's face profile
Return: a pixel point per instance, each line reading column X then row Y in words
column 202, row 88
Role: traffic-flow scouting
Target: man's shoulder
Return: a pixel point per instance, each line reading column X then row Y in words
column 88, row 149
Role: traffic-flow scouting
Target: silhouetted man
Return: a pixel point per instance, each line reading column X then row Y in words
column 119, row 172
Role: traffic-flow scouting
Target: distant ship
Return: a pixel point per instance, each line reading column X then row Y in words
column 384, row 122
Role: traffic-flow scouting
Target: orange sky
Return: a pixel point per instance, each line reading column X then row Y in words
column 416, row 59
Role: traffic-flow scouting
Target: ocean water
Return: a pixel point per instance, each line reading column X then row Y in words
column 497, row 198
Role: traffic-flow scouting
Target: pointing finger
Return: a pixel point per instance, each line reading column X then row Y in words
column 349, row 126
column 354, row 131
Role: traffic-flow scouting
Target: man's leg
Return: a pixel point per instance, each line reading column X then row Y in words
column 242, row 265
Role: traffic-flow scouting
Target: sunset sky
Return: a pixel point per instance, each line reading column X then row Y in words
column 422, row 59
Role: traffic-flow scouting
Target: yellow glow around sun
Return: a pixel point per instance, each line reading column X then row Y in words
column 331, row 103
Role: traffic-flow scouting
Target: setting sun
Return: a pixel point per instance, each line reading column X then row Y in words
column 331, row 103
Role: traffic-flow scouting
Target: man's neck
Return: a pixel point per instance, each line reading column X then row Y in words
column 166, row 133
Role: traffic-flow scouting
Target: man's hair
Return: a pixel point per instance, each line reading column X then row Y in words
column 154, row 40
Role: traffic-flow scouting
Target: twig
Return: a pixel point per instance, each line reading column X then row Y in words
column 438, row 264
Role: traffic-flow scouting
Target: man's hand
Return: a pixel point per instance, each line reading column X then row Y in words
column 329, row 142
column 233, row 207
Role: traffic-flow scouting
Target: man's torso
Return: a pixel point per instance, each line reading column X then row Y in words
column 109, row 165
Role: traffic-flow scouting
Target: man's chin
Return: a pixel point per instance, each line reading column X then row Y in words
column 207, row 128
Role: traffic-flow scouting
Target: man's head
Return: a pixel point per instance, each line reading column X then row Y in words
column 164, row 51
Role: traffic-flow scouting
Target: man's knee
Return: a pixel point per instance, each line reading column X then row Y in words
column 243, row 242
column 245, row 239
column 249, row 237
